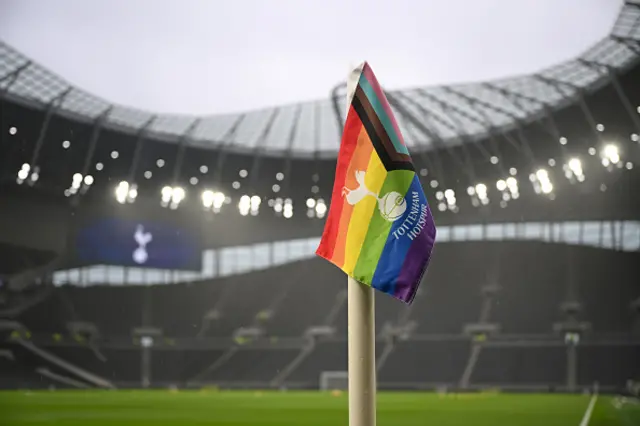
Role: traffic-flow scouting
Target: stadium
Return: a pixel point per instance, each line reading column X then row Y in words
column 160, row 269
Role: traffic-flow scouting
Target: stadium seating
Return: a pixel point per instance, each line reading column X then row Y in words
column 608, row 365
column 248, row 365
column 499, row 366
column 425, row 362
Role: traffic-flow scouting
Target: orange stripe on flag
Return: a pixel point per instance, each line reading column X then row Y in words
column 359, row 161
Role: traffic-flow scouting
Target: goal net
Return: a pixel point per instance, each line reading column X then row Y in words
column 334, row 380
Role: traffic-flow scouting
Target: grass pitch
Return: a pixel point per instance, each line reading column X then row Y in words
column 185, row 408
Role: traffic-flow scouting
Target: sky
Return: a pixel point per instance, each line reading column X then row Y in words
column 211, row 56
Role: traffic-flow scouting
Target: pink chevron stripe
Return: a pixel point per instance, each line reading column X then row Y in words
column 373, row 81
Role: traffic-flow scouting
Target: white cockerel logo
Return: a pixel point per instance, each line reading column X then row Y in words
column 391, row 205
column 140, row 254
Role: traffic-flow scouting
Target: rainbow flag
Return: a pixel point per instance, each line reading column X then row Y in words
column 380, row 230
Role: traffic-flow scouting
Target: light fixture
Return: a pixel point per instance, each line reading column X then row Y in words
column 193, row 180
column 275, row 188
column 13, row 130
column 311, row 203
column 243, row 173
column 563, row 140
column 600, row 127
column 160, row 163
column 279, row 176
column 434, row 183
column 494, row 159
column 115, row 154
column 235, row 185
column 66, row 144
column 321, row 208
column 204, row 169
column 573, row 170
column 148, row 174
column 122, row 192
column 610, row 155
column 99, row 166
column 541, row 182
column 88, row 180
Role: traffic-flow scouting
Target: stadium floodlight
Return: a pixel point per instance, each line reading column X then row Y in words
column 592, row 151
column 442, row 207
column 115, row 155
column 635, row 137
column 573, row 170
column 255, row 204
column 243, row 173
column 280, row 176
column 99, row 166
column 204, row 169
column 600, row 127
column 23, row 174
column 77, row 180
column 66, row 144
column 434, row 183
column 235, row 185
column 501, row 185
column 177, row 195
column 88, row 180
column 563, row 140
column 321, row 208
column 450, row 195
column 439, row 195
column 311, row 203
column 288, row 208
column 244, row 205
column 160, row 163
column 551, row 162
column 122, row 192
column 541, row 182
column 471, row 191
column 494, row 159
column 148, row 174
column 629, row 165
column 167, row 191
column 207, row 199
column 218, row 200
column 13, row 130
column 193, row 180
column 610, row 155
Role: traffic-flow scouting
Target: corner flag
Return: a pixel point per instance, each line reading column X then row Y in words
column 379, row 230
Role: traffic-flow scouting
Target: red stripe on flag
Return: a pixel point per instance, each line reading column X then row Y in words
column 347, row 147
column 359, row 162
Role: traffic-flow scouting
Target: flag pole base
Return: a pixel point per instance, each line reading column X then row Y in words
column 362, row 354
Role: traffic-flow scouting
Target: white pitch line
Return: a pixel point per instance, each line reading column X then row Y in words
column 587, row 414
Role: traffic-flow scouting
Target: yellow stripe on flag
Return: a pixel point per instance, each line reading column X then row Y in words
column 362, row 213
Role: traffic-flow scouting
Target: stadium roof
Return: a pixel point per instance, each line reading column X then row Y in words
column 430, row 117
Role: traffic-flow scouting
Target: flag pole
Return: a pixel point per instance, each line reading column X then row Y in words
column 362, row 354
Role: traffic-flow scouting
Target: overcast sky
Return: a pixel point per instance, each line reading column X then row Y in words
column 211, row 56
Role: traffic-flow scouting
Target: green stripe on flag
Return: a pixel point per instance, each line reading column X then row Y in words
column 397, row 181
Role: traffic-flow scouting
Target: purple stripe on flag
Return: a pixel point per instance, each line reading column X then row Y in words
column 416, row 262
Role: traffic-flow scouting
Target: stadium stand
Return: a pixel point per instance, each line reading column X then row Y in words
column 533, row 287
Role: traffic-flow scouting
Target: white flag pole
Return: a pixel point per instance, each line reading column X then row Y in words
column 362, row 354
column 361, row 325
